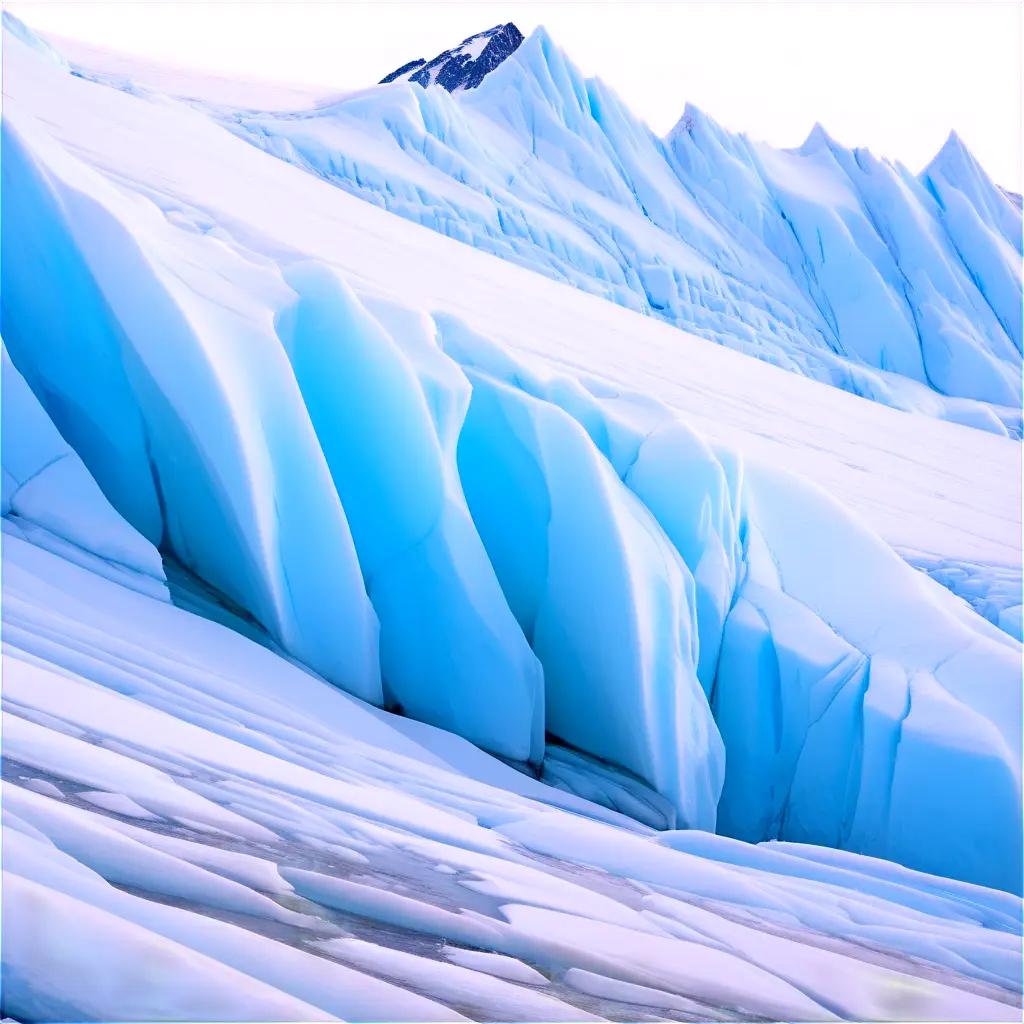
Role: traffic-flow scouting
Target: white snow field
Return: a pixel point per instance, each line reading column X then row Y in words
column 569, row 543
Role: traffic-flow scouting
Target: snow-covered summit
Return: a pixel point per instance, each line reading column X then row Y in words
column 825, row 260
column 464, row 66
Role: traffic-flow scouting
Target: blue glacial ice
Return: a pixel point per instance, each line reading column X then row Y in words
column 529, row 550
column 199, row 447
column 49, row 495
column 522, row 554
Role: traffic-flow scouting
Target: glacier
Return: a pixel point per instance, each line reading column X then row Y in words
column 827, row 261
column 486, row 532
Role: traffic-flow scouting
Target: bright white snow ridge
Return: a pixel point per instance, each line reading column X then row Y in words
column 829, row 262
column 392, row 632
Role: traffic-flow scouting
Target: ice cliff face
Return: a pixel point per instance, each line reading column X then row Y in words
column 465, row 66
column 483, row 540
column 830, row 262
column 184, row 805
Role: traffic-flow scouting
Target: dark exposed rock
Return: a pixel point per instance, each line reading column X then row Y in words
column 465, row 66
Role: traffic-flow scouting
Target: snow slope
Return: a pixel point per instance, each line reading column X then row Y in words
column 651, row 571
column 124, row 71
column 823, row 260
column 344, row 424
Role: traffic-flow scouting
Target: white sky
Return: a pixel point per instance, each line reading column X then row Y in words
column 894, row 77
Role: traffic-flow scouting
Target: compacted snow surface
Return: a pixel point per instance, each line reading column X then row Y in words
column 275, row 461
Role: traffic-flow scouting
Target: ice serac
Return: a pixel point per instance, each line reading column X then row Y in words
column 249, row 518
column 465, row 66
column 836, row 711
column 984, row 226
column 444, row 623
column 605, row 601
column 833, row 707
column 826, row 261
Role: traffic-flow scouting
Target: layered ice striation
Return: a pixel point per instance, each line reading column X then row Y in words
column 827, row 261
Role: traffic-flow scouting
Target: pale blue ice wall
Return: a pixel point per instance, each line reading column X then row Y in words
column 442, row 614
column 203, row 446
column 536, row 553
column 859, row 703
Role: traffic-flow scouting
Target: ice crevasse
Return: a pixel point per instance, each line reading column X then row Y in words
column 515, row 555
